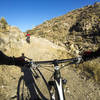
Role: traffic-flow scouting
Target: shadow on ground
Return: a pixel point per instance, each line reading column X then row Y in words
column 27, row 87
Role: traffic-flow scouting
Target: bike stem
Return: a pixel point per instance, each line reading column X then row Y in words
column 57, row 75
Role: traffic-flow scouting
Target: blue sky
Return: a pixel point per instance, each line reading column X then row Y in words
column 26, row 14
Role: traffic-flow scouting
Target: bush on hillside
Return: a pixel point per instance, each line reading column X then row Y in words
column 3, row 24
column 3, row 21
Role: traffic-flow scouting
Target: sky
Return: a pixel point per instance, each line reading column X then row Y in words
column 26, row 14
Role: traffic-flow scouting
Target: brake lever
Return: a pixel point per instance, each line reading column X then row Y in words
column 26, row 57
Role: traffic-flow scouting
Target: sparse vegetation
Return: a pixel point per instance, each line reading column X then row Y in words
column 3, row 25
column 3, row 21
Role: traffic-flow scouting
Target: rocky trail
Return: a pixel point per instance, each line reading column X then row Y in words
column 42, row 49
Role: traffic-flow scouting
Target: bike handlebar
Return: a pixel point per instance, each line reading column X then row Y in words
column 56, row 61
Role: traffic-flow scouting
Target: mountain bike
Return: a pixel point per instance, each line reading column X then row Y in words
column 56, row 83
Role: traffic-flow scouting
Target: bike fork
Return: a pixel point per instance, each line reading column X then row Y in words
column 51, row 87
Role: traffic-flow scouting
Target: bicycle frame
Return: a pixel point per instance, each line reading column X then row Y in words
column 58, row 84
column 57, row 79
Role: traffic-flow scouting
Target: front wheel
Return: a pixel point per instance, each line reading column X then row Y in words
column 22, row 90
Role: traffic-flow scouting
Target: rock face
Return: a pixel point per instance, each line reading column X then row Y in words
column 11, row 39
column 10, row 44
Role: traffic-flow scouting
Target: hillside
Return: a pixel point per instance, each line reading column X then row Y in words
column 77, row 31
column 81, row 21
